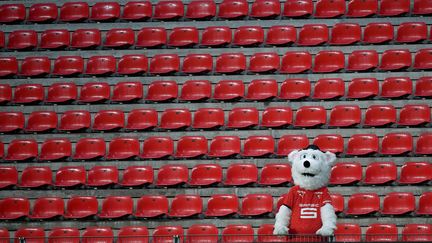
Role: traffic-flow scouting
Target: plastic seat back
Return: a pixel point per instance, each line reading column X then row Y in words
column 98, row 234
column 313, row 35
column 164, row 64
column 55, row 149
column 233, row 9
column 375, row 33
column 409, row 32
column 68, row 65
column 157, row 147
column 151, row 37
column 262, row 89
column 55, row 39
column 265, row 9
column 202, row 233
column 362, row 60
column 105, row 11
column 266, row 62
column 62, row 93
column 417, row 232
column 248, row 36
column 35, row 66
column 101, row 65
column 119, row 38
column 22, row 149
column 422, row 60
column 230, row 63
column 292, row 89
column 90, row 148
column 329, row 8
column 424, row 204
column 346, row 232
column 127, row 91
column 265, row 234
column 397, row 143
column 12, row 13
column 422, row 7
column 381, row 232
column 185, row 206
column 102, row 176
column 220, row 205
column 330, row 142
column 11, row 121
column 257, row 146
column 36, row 176
column 171, row 175
column 243, row 117
column 275, row 174
column 205, row 175
column 175, row 119
column 137, row 11
column 133, row 64
column 363, row 88
column 380, row 173
column 415, row 173
column 183, row 37
column 191, row 146
column 281, row 35
column 363, row 204
column 289, row 143
column 201, row 10
column 197, row 64
column 31, row 234
column 68, row 234
column 329, row 61
column 345, row 33
column 360, row 8
column 9, row 66
column 137, row 175
column 116, row 207
column 345, row 116
column 95, row 92
column 165, row 234
column 302, row 8
column 9, row 176
column 362, row 144
column 310, row 116
column 224, row 146
column 216, row 36
column 329, row 88
column 208, row 118
column 29, row 93
column 137, row 234
column 346, row 173
column 237, row 233
column 5, row 92
column 47, row 207
column 149, row 206
column 162, row 91
column 123, row 148
column 86, row 38
column 398, row 203
column 14, row 207
column 241, row 174
column 75, row 120
column 276, row 117
column 141, row 119
column 69, row 176
column 394, row 8
column 380, row 115
column 106, row 120
column 168, row 10
column 22, row 40
column 393, row 60
column 229, row 90
column 81, row 207
column 256, row 204
column 74, row 12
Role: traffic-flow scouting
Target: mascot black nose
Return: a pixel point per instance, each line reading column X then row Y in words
column 306, row 164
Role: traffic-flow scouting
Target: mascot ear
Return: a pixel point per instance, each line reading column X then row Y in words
column 330, row 158
column 292, row 156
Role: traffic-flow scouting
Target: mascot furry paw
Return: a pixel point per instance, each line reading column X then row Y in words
column 307, row 208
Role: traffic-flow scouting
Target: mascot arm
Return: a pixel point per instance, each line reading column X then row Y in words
column 282, row 220
column 328, row 218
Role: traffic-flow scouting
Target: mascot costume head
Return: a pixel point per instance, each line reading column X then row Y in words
column 307, row 213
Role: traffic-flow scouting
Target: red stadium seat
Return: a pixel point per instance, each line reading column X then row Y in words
column 2, row 40
column 346, row 232
column 5, row 93
column 276, row 117
column 175, row 119
column 238, row 233
column 79, row 207
column 201, row 10
column 313, row 35
column 106, row 120
column 35, row 66
column 202, row 233
column 275, row 174
column 137, row 234
column 423, row 87
column 256, row 204
column 229, row 90
column 329, row 61
column 101, row 65
column 380, row 173
column 392, row 60
column 22, row 40
column 220, row 205
column 69, row 176
column 98, row 234
column 362, row 144
column 123, row 148
column 330, row 142
column 149, row 206
column 395, row 87
column 216, row 36
column 141, row 119
column 47, row 207
column 289, row 143
column 233, row 9
column 329, row 88
column 363, row 204
column 171, row 175
column 381, row 232
column 346, row 173
column 415, row 173
column 31, row 234
column 206, row 175
column 137, row 11
column 424, row 204
column 102, row 176
column 208, row 118
column 105, row 11
column 310, row 116
column 394, row 8
column 36, row 176
column 43, row 13
column 423, row 145
column 375, row 33
column 89, row 148
column 193, row 90
column 86, row 38
column 262, row 89
column 168, row 10
column 338, row 202
column 241, row 174
column 116, row 207
column 345, row 116
column 95, row 92
column 185, row 206
column 14, row 208
column 183, row 37
column 12, row 13
column 68, row 65
column 396, row 144
column 137, row 175
column 224, row 146
column 422, row 7
column 264, row 62
column 162, row 91
column 362, row 8
column 296, row 62
column 243, row 117
column 9, row 176
column 74, row 12
column 281, row 35
column 75, row 120
column 55, row 39
column 265, row 234
column 151, row 37
column 257, row 146
column 422, row 60
column 417, row 232
column 68, row 234
column 165, row 234
column 329, row 8
column 11, row 121
column 164, row 64
column 380, row 115
column 362, row 60
column 230, row 63
column 22, row 149
column 264, row 9
column 301, row 8
column 62, row 93
column 127, row 91
column 197, row 64
column 295, row 88
column 157, row 147
column 398, row 203
column 345, row 33
column 55, row 149
column 119, row 38
column 409, row 32
column 191, row 147
column 8, row 66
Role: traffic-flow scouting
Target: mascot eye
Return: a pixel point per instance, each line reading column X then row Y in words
column 313, row 156
column 304, row 156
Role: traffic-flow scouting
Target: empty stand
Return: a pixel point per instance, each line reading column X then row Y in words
column 241, row 174
column 62, row 93
column 363, row 203
column 191, row 146
column 55, row 149
column 74, row 11
column 47, row 207
column 171, row 175
column 149, row 206
column 346, row 173
column 397, row 203
column 9, row 176
column 157, row 147
column 14, row 208
column 381, row 232
column 168, row 10
column 133, row 64
column 98, row 234
column 205, row 175
column 289, row 143
column 116, row 207
column 64, row 233
column 35, row 234
column 208, row 118
column 123, row 148
column 330, row 142
column 90, row 148
column 81, row 207
column 99, row 176
column 137, row 176
column 70, row 176
column 223, row 146
column 380, row 173
column 141, row 119
column 137, row 11
column 133, row 233
column 185, row 206
column 201, row 10
column 415, row 172
column 11, row 121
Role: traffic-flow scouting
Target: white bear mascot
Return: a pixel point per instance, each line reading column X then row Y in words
column 307, row 208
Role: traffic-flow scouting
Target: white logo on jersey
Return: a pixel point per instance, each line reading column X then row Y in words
column 308, row 213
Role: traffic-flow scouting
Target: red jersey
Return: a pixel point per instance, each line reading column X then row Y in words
column 305, row 208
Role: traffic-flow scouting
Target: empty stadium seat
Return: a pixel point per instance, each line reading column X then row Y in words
column 361, row 8
column 168, row 10
column 362, row 144
column 337, row 202
column 185, row 206
column 43, row 12
column 197, row 64
column 220, row 205
column 398, row 203
column 137, row 11
column 101, row 65
column 183, row 37
column 216, row 36
column 296, row 62
column 409, row 32
column 201, row 10
column 12, row 13
column 238, row 233
column 392, row 60
column 417, row 232
column 205, row 175
column 41, row 121
column 123, row 148
column 329, row 88
column 22, row 40
column 363, row 204
column 9, row 176
column 81, row 207
column 69, row 234
column 14, row 208
column 11, row 121
column 310, row 116
column 345, row 33
column 127, row 91
column 296, row 88
column 313, row 35
column 424, row 204
column 164, row 64
column 395, row 87
column 380, row 115
column 256, row 204
column 55, row 39
column 346, row 232
column 162, row 91
column 256, row 146
column 4, row 235
column 233, row 9
column 22, row 149
column 157, row 147
column 423, row 87
column 230, row 63
column 329, row 8
column 5, row 93
column 276, row 117
column 380, row 173
column 116, row 207
column 137, row 175
column 55, row 149
column 175, row 119
column 202, row 233
column 133, row 234
column 193, row 90
column 264, row 62
column 74, row 11
column 422, row 59
column 262, row 89
column 289, row 143
column 302, row 8
column 191, row 146
column 29, row 93
column 119, row 38
column 329, row 61
column 394, row 8
column 422, row 7
column 346, row 173
column 265, row 9
column 229, row 90
column 9, row 66
column 89, row 148
column 248, row 36
column 74, row 120
column 47, row 207
column 171, row 175
column 106, row 120
column 423, row 145
column 208, row 118
column 396, row 143
column 362, row 60
column 224, row 146
column 165, row 234
column 95, row 92
column 345, row 116
column 151, row 37
column 62, row 93
column 102, row 176
column 68, row 65
column 149, row 206
column 381, row 232
column 69, row 176
column 330, row 142
column 35, row 66
column 98, row 234
column 375, row 33
column 265, row 234
column 86, row 38
column 243, row 117
column 31, row 234
column 105, row 11
column 415, row 173
column 241, row 174
column 281, row 35
column 36, row 176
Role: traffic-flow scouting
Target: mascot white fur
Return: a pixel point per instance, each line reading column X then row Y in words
column 307, row 208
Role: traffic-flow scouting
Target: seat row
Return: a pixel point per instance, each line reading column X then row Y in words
column 212, row 36
column 214, row 118
column 345, row 232
column 202, row 10
column 237, row 174
column 226, row 63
